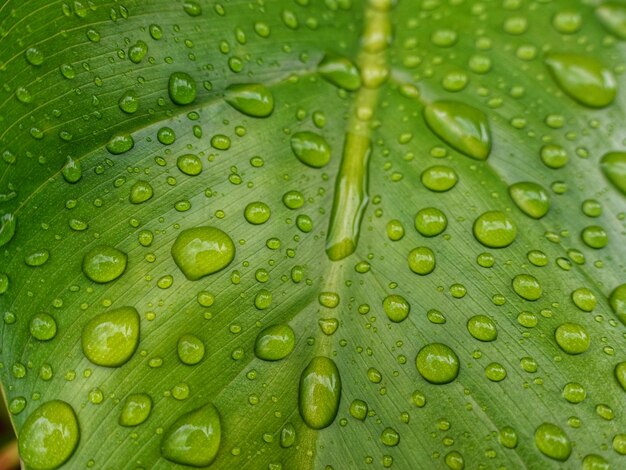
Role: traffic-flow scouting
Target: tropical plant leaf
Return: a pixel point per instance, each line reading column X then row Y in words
column 424, row 201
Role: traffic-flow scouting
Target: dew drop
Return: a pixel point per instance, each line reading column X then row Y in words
column 140, row 192
column 311, row 149
column 275, row 343
column 252, row 99
column 461, row 126
column 320, row 392
column 135, row 410
column 49, row 436
column 613, row 16
column 111, row 338
column 340, row 71
column 495, row 229
column 421, row 260
column 572, row 338
column 527, row 287
column 530, row 198
column 552, row 442
column 396, row 307
column 182, row 88
column 72, row 171
column 43, row 326
column 613, row 166
column 190, row 349
column 430, row 222
column 201, row 251
column 482, row 328
column 120, row 143
column 104, row 264
column 194, row 438
column 437, row 363
column 583, row 78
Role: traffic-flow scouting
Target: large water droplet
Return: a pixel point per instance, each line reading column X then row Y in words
column 340, row 71
column 7, row 228
column 482, row 328
column 553, row 442
column 583, row 78
column 194, row 438
column 495, row 229
column 613, row 166
column 430, row 222
column 253, row 99
column 320, row 392
column 182, row 88
column 421, row 260
column 617, row 301
column 437, row 363
column 111, row 338
column 613, row 16
column 275, row 342
column 104, row 263
column 136, row 409
column 461, row 126
column 310, row 148
column 530, row 198
column 396, row 307
column 527, row 287
column 201, row 251
column 572, row 338
column 49, row 436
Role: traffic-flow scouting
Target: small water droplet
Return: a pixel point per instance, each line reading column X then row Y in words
column 190, row 349
column 201, row 251
column 437, row 363
column 275, row 343
column 135, row 410
column 104, row 263
column 182, row 88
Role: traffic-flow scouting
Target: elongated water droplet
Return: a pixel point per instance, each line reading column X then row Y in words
column 613, row 166
column 275, row 342
column 72, row 171
column 104, row 264
column 182, row 88
column 495, row 229
column 617, row 301
column 8, row 223
column 583, row 78
column 120, row 143
column 136, row 409
column 201, row 251
column 49, row 436
column 613, row 16
column 437, row 363
column 530, row 198
column 253, row 99
column 553, row 442
column 461, row 126
column 340, row 71
column 320, row 392
column 311, row 149
column 350, row 199
column 194, row 438
column 111, row 338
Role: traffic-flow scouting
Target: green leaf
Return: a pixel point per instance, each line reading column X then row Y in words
column 313, row 234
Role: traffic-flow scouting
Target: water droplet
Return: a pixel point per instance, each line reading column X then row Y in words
column 495, row 229
column 311, row 149
column 340, row 71
column 257, row 213
column 201, row 251
column 567, row 21
column 189, row 164
column 293, row 199
column 508, row 437
column 613, row 16
column 390, row 437
column 396, row 307
column 439, row 178
column 395, row 230
column 137, row 51
column 617, row 301
column 111, row 338
column 583, row 78
column 552, row 442
column 43, row 326
column 128, row 102
column 554, row 156
column 49, row 436
column 584, row 299
column 194, row 438
column 37, row 258
column 190, row 349
column 135, row 410
column 8, row 223
column 613, row 166
column 530, row 198
column 421, row 260
column 252, row 99
column 287, row 435
column 34, row 56
column 358, row 409
column 166, row 135
column 430, row 222
column 140, row 192
column 437, row 363
column 275, row 343
column 4, row 283
column 572, row 338
column 620, row 374
column 72, row 171
column 619, row 444
column 104, row 264
column 320, row 392
column 595, row 236
column 444, row 37
column 527, row 287
column 182, row 88
column 120, row 143
column 495, row 372
column 461, row 126
column 595, row 462
column 574, row 392
column 482, row 328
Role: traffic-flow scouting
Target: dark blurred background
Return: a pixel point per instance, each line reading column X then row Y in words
column 8, row 446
